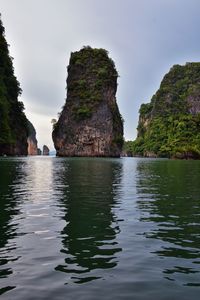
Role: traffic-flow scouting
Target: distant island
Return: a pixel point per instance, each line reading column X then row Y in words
column 90, row 123
column 169, row 126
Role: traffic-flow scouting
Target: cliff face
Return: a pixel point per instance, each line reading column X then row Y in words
column 169, row 125
column 13, row 122
column 90, row 123
column 32, row 141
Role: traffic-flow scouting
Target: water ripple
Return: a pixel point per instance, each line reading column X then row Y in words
column 99, row 229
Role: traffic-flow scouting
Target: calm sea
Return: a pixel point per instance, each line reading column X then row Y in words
column 86, row 228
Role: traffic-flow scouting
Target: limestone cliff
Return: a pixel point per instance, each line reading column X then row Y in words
column 32, row 141
column 169, row 125
column 13, row 122
column 90, row 123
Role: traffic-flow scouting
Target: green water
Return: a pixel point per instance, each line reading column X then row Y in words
column 82, row 228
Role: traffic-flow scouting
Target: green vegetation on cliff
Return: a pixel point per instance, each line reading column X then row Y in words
column 90, row 71
column 13, row 123
column 169, row 126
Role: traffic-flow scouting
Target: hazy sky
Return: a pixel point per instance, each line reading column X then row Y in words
column 144, row 38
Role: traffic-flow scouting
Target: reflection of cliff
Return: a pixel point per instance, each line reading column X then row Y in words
column 8, row 210
column 89, row 238
column 168, row 193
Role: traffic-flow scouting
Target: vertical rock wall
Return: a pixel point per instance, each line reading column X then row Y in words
column 32, row 141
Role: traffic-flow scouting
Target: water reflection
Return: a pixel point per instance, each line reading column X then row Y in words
column 25, row 218
column 90, row 190
column 169, row 194
column 10, row 172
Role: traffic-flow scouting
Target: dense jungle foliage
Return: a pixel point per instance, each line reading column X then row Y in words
column 169, row 126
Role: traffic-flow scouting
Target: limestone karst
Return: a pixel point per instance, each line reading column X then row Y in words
column 169, row 126
column 45, row 150
column 90, row 123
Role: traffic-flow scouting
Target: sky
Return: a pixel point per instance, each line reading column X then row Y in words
column 145, row 38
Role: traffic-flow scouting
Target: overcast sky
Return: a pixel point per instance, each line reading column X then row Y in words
column 144, row 38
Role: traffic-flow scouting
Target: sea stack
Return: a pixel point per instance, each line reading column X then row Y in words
column 90, row 123
column 45, row 150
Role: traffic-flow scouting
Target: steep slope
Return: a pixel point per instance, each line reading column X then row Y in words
column 32, row 141
column 13, row 122
column 90, row 123
column 169, row 125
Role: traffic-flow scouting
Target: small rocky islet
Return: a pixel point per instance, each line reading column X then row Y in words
column 90, row 123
